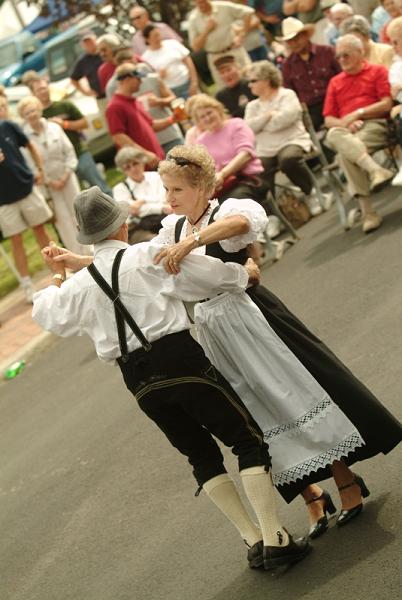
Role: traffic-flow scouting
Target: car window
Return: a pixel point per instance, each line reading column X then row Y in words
column 8, row 55
column 62, row 58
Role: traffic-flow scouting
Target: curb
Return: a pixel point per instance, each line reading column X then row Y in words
column 26, row 352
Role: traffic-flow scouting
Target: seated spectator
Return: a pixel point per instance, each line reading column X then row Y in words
column 21, row 204
column 106, row 44
column 87, row 67
column 59, row 163
column 393, row 10
column 309, row 67
column 232, row 145
column 73, row 122
column 379, row 18
column 129, row 123
column 281, row 138
column 337, row 14
column 210, row 28
column 139, row 17
column 395, row 79
column 374, row 52
column 236, row 93
column 171, row 60
column 144, row 192
column 155, row 96
column 356, row 108
column 194, row 132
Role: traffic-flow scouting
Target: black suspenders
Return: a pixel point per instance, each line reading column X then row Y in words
column 121, row 313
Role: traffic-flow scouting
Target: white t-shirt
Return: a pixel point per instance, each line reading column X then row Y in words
column 169, row 57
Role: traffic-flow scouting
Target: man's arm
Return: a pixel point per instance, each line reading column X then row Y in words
column 37, row 158
column 82, row 88
column 197, row 42
column 377, row 110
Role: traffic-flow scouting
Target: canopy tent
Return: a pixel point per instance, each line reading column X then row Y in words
column 9, row 22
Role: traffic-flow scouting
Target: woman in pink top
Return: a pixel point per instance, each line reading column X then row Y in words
column 231, row 144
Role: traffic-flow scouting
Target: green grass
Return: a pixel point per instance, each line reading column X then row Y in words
column 8, row 282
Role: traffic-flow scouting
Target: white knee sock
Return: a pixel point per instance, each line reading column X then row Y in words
column 261, row 493
column 222, row 491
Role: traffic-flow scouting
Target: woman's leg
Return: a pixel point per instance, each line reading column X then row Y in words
column 290, row 161
column 345, row 478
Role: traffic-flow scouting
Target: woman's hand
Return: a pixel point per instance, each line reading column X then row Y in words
column 219, row 180
column 193, row 89
column 171, row 256
column 253, row 270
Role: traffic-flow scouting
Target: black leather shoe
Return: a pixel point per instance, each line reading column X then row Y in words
column 255, row 555
column 347, row 515
column 277, row 556
column 321, row 525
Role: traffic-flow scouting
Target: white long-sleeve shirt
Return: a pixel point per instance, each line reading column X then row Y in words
column 284, row 127
column 150, row 190
column 153, row 298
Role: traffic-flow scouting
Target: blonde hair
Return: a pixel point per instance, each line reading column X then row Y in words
column 395, row 27
column 28, row 101
column 198, row 173
column 205, row 101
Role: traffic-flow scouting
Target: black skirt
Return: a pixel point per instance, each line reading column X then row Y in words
column 377, row 426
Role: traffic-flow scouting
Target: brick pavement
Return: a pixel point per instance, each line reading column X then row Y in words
column 19, row 335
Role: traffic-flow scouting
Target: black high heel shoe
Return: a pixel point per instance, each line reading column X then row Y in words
column 321, row 525
column 347, row 515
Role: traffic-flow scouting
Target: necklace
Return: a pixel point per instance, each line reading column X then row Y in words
column 193, row 225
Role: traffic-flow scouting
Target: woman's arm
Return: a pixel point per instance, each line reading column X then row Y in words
column 215, row 232
column 287, row 112
column 254, row 118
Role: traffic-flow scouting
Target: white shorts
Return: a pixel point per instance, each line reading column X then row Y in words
column 28, row 212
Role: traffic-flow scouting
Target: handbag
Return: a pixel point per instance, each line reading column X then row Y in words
column 294, row 210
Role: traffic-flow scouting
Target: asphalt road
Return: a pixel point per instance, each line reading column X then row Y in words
column 95, row 504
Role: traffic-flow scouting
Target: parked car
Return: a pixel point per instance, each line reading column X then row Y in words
column 19, row 53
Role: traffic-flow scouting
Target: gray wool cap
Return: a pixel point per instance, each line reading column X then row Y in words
column 98, row 215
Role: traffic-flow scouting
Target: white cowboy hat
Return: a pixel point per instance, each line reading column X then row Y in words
column 291, row 27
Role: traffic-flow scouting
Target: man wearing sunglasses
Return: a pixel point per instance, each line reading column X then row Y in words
column 129, row 123
column 356, row 108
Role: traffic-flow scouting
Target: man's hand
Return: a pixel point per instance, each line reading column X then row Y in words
column 72, row 261
column 153, row 100
column 211, row 24
column 49, row 253
column 152, row 160
column 38, row 178
column 2, row 157
column 253, row 270
column 135, row 207
column 355, row 126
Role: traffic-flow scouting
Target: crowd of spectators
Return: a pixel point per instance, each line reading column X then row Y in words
column 269, row 62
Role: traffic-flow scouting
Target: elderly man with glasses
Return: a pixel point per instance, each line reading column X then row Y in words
column 356, row 108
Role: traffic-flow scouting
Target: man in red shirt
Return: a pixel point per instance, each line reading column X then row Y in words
column 309, row 67
column 357, row 103
column 129, row 123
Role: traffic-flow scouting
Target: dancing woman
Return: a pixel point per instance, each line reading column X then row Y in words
column 295, row 387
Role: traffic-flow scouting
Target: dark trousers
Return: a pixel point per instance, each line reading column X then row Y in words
column 178, row 388
column 316, row 115
column 289, row 160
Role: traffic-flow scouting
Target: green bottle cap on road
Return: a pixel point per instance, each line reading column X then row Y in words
column 13, row 370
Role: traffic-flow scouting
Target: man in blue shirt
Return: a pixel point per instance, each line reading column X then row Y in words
column 21, row 205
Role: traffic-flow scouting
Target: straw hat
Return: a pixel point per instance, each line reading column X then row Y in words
column 291, row 27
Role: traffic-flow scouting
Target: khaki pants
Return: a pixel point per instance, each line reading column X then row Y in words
column 351, row 146
column 241, row 57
